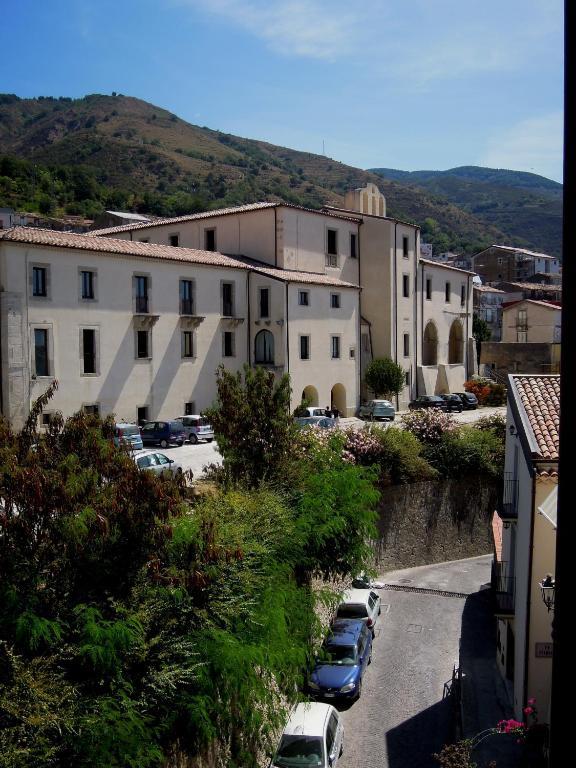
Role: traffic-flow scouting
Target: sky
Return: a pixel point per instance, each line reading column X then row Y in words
column 407, row 84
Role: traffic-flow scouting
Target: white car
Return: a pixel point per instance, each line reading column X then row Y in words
column 313, row 736
column 196, row 428
column 361, row 604
column 152, row 461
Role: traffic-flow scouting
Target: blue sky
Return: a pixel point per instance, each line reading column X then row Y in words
column 409, row 84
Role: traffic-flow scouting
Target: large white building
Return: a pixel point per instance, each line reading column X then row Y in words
column 135, row 319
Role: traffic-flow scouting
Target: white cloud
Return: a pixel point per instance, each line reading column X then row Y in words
column 534, row 145
column 307, row 28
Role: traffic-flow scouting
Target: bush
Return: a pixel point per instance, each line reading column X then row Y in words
column 495, row 423
column 428, row 424
column 487, row 391
column 401, row 459
column 467, row 452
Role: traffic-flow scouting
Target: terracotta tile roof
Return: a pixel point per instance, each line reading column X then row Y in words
column 534, row 286
column 444, row 265
column 539, row 398
column 487, row 289
column 547, row 304
column 54, row 239
column 215, row 213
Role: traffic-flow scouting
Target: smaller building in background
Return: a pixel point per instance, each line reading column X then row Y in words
column 529, row 321
column 488, row 307
column 117, row 218
column 501, row 262
column 514, row 291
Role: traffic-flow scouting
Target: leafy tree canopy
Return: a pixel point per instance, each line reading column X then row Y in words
column 384, row 377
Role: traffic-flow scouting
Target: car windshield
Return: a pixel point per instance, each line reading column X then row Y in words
column 352, row 611
column 338, row 654
column 128, row 431
column 300, row 751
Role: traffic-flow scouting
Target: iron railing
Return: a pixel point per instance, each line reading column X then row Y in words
column 508, row 502
column 503, row 587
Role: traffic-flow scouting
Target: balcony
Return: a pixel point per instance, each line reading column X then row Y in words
column 504, row 588
column 141, row 305
column 508, row 502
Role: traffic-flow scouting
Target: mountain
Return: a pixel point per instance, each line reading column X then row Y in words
column 81, row 156
column 523, row 205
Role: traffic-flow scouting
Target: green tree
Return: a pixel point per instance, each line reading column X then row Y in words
column 385, row 377
column 481, row 332
column 252, row 423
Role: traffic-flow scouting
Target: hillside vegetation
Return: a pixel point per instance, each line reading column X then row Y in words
column 81, row 156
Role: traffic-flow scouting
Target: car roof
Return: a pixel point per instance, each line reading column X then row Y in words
column 190, row 416
column 308, row 718
column 381, row 401
column 125, row 424
column 139, row 454
column 356, row 596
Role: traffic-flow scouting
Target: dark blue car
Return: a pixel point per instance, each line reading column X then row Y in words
column 345, row 654
column 163, row 433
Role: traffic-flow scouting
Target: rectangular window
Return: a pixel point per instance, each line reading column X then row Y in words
column 228, row 344
column 335, row 347
column 406, row 286
column 335, row 300
column 429, row 288
column 228, row 299
column 174, row 240
column 41, row 360
column 521, row 337
column 189, row 409
column 407, row 378
column 304, row 347
column 264, row 302
column 303, row 298
column 88, row 350
column 447, row 291
column 352, row 353
column 39, row 281
column 209, row 239
column 141, row 293
column 406, row 345
column 187, row 344
column 186, row 297
column 142, row 344
column 353, row 245
column 332, row 247
column 141, row 415
column 405, row 246
column 462, row 295
column 47, row 418
column 87, row 278
column 91, row 410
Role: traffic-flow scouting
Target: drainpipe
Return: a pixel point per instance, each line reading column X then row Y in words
column 423, row 288
column 287, row 333
column 525, row 692
column 467, row 320
column 359, row 334
column 249, row 329
column 395, row 297
column 415, row 312
column 275, row 236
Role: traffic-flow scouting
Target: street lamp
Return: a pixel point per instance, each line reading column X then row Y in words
column 548, row 588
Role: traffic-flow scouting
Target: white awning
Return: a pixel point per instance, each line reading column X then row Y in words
column 549, row 507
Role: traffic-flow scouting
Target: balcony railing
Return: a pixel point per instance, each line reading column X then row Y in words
column 504, row 588
column 141, row 305
column 186, row 307
column 508, row 502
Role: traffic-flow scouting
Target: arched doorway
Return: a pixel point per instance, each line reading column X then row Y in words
column 456, row 344
column 430, row 345
column 264, row 348
column 338, row 398
column 310, row 394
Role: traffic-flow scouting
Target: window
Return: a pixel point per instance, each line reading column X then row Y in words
column 303, row 298
column 407, row 378
column 365, row 342
column 353, row 245
column 209, row 239
column 406, row 345
column 304, row 347
column 352, row 353
column 228, row 299
column 41, row 360
column 174, row 240
column 522, row 317
column 405, row 246
column 332, row 247
column 186, row 297
column 521, row 337
column 142, row 344
column 47, row 418
column 447, row 291
column 264, row 348
column 264, row 302
column 40, row 281
column 88, row 350
column 406, row 286
column 187, row 344
column 141, row 414
column 429, row 288
column 189, row 409
column 93, row 409
column 228, row 344
column 335, row 344
column 87, row 284
column 335, row 300
column 462, row 295
column 141, row 293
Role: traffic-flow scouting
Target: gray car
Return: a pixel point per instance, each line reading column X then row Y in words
column 196, row 428
column 152, row 461
column 315, row 421
column 377, row 410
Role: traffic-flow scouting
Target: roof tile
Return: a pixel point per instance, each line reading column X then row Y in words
column 539, row 397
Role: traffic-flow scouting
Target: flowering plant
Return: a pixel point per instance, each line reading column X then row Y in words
column 429, row 425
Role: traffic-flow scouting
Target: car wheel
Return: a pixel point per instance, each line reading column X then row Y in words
column 392, row 418
column 163, row 443
column 209, row 439
column 359, row 691
column 193, row 438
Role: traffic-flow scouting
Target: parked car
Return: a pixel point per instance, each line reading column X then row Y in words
column 163, row 433
column 157, row 463
column 453, row 403
column 469, row 400
column 427, row 401
column 313, row 737
column 315, row 421
column 363, row 604
column 313, row 410
column 196, row 428
column 343, row 658
column 377, row 410
column 362, row 581
column 128, row 434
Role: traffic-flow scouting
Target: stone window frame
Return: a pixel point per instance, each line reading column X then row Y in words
column 336, row 337
column 405, row 285
column 233, row 297
column 94, row 272
column 172, row 235
column 301, row 295
column 335, row 297
column 148, row 276
column 332, row 257
column 261, row 288
column 96, row 329
column 205, row 231
column 50, row 342
column 148, row 357
column 232, row 337
column 48, row 270
column 309, row 349
column 405, row 246
column 183, row 345
column 186, row 279
column 428, row 287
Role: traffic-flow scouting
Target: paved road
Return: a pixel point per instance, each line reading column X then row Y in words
column 401, row 718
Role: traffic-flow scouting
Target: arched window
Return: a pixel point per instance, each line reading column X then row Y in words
column 430, row 345
column 264, row 348
column 456, row 343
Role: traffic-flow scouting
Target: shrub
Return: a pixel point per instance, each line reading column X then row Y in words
column 467, row 451
column 428, row 424
column 487, row 391
column 401, row 459
column 495, row 423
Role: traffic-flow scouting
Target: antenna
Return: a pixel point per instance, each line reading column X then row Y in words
column 323, row 151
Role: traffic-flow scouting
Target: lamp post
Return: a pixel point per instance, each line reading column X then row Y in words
column 548, row 588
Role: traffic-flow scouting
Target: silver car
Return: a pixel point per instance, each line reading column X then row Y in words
column 196, row 428
column 315, row 421
column 362, row 604
column 152, row 461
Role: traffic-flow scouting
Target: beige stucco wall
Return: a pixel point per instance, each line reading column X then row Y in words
column 542, row 322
